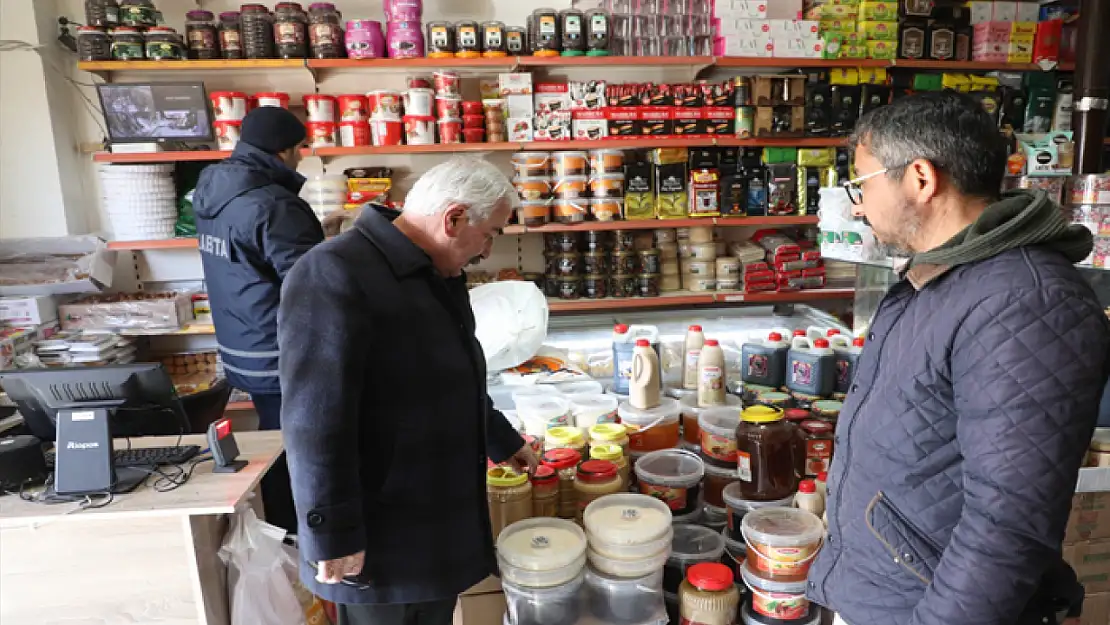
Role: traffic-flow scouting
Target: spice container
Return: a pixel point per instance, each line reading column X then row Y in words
column 778, row 601
column 201, row 35
column 565, row 464
column 231, row 39
column 324, row 31
column 93, row 44
column 549, row 605
column 782, row 542
column 290, row 26
column 672, row 476
column 102, row 14
column 610, row 433
column 709, row 596
column 651, row 429
column 545, row 492
column 691, row 545
column 717, row 479
column 256, row 26
column 565, row 437
column 738, row 508
column 766, row 454
column 541, row 553
column 595, row 479
column 510, row 497
column 616, row 455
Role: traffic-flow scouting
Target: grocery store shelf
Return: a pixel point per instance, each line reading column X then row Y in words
column 121, row 158
column 154, row 244
column 682, row 299
column 239, row 406
column 793, row 142
column 194, row 329
column 437, row 148
column 741, row 62
column 651, row 224
column 507, row 62
column 975, row 66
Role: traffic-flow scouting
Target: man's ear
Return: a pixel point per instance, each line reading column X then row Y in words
column 454, row 218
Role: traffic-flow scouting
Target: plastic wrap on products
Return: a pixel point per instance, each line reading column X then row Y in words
column 118, row 311
column 556, row 605
column 55, row 265
column 626, row 601
column 842, row 236
column 548, row 366
column 511, row 321
column 261, row 571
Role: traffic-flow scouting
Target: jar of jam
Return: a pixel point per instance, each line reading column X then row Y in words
column 256, row 26
column 101, row 14
column 231, row 40
column 93, row 44
column 545, row 492
column 164, row 44
column 570, row 287
column 200, row 32
column 649, row 284
column 818, row 446
column 623, row 285
column 624, row 240
column 595, row 262
column 625, row 262
column 649, row 261
column 565, row 464
column 595, row 286
column 510, row 497
column 709, row 595
column 595, row 479
column 514, row 40
column 290, row 24
column 138, row 14
column 614, row 454
column 493, row 39
column 765, row 451
column 568, row 263
column 127, row 44
column 325, row 32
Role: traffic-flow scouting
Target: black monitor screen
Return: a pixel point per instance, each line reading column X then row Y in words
column 141, row 113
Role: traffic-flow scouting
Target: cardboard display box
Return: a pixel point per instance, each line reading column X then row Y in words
column 1090, row 515
column 55, row 266
column 486, row 609
column 1091, row 561
column 1096, row 609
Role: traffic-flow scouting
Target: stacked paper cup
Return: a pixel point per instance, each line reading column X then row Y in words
column 140, row 200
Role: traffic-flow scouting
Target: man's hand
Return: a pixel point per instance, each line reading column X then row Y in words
column 333, row 571
column 525, row 458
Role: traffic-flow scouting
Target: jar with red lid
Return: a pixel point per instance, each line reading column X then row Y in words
column 708, row 595
column 595, row 478
column 545, row 492
column 818, row 446
column 564, row 461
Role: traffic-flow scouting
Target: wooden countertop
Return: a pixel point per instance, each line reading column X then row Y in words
column 205, row 492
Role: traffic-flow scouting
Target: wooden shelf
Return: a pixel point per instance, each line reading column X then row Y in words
column 798, row 142
column 438, row 148
column 154, row 244
column 974, row 66
column 697, row 299
column 615, row 61
column 507, row 62
column 239, row 406
column 652, row 224
column 160, row 157
column 741, row 62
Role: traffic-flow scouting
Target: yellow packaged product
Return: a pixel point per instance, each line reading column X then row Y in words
column 844, row 76
column 817, row 157
column 837, row 25
column 956, row 82
column 882, row 50
column 878, row 31
column 872, row 76
column 884, row 11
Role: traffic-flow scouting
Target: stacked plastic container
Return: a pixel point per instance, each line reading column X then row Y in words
column 448, row 101
column 140, row 200
column 325, row 194
column 542, row 562
column 404, row 33
column 661, row 27
column 691, row 544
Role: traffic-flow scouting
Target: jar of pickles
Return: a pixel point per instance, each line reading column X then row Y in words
column 127, row 44
column 545, row 492
column 231, row 44
column 324, row 31
column 256, row 26
column 290, row 23
column 200, row 32
column 564, row 462
column 93, row 44
column 510, row 497
column 163, row 44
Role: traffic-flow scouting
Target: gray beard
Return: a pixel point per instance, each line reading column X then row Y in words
column 909, row 226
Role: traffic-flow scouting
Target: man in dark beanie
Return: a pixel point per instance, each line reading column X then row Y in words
column 251, row 228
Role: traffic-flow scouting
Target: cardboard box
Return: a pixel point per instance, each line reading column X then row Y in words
column 1090, row 515
column 23, row 312
column 1091, row 561
column 798, row 48
column 515, row 84
column 172, row 311
column 1020, row 50
column 488, row 585
column 1096, row 609
column 749, row 8
column 1004, row 10
column 590, row 125
column 783, row 9
column 981, row 11
column 55, row 265
column 752, row 46
column 1028, row 11
column 485, row 609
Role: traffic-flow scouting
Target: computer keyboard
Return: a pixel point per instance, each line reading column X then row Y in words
column 145, row 456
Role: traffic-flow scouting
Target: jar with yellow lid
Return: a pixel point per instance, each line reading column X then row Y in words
column 614, row 454
column 565, row 437
column 709, row 595
column 610, row 434
column 767, row 449
column 596, row 478
column 510, row 497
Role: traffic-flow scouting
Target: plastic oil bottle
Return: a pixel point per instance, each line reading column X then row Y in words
column 847, row 354
column 624, row 342
column 763, row 361
column 811, row 367
column 691, row 350
column 711, row 375
column 644, row 385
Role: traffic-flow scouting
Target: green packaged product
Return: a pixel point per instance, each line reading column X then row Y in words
column 639, row 191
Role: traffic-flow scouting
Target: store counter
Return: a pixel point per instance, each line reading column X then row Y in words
column 147, row 557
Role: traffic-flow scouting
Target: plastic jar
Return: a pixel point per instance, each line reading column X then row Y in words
column 610, row 433
column 784, row 601
column 818, row 446
column 782, row 542
column 273, row 98
column 200, row 32
column 552, row 605
column 827, row 409
column 717, row 479
column 607, row 208
column 231, row 39
column 709, row 596
column 364, row 39
column 319, row 107
column 127, row 44
column 290, row 26
column 607, row 185
column 163, row 44
column 515, row 37
column 766, row 454
column 652, row 429
column 138, row 13
column 595, row 478
column 616, row 455
column 93, row 44
column 572, row 188
column 672, row 476
column 691, row 545
column 565, row 464
column 541, row 553
column 533, row 187
column 102, row 14
column 735, row 554
column 493, row 39
column 570, row 163
column 527, row 164
column 534, row 213
column 256, row 27
column 590, row 409
column 738, row 508
column 228, row 105
column 325, row 32
column 565, row 437
column 540, row 411
column 718, row 434
column 468, row 42
column 691, row 412
column 545, row 32
column 571, row 210
column 545, row 492
column 628, row 527
column 1098, row 454
column 510, row 497
column 749, row 617
column 625, row 600
column 609, row 161
column 441, row 40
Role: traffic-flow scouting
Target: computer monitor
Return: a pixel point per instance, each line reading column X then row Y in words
column 83, row 408
column 156, row 112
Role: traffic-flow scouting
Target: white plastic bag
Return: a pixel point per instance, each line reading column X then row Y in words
column 511, row 322
column 260, row 572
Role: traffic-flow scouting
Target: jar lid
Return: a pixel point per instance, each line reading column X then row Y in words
column 761, row 414
column 797, row 414
column 782, row 527
column 612, row 453
column 720, row 421
column 828, row 406
column 561, row 458
column 544, row 475
column 672, row 468
column 813, row 426
column 541, row 544
column 505, row 477
column 570, row 154
column 593, row 471
column 591, row 388
column 710, row 576
column 772, row 396
column 566, row 436
column 627, row 519
column 758, row 583
column 665, row 413
column 199, row 15
column 608, row 431
column 272, row 94
column 694, row 543
column 734, row 498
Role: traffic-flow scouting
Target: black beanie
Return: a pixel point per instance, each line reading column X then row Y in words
column 272, row 129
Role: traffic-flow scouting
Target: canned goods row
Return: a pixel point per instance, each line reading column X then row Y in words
column 602, row 262
column 599, row 286
column 592, row 241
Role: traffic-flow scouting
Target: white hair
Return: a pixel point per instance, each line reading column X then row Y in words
column 465, row 180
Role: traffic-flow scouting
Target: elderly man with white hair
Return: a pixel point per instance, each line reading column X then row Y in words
column 386, row 419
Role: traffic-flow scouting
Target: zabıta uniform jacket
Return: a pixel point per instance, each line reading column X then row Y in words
column 251, row 228
column 960, row 442
column 386, row 421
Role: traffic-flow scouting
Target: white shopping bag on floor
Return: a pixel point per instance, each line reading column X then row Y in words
column 260, row 572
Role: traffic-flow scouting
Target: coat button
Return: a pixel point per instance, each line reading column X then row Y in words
column 315, row 519
column 908, row 558
column 871, row 336
column 812, row 586
column 855, row 387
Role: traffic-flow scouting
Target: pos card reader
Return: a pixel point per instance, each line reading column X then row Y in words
column 224, row 448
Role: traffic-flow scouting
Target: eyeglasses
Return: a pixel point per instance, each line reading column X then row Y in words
column 855, row 191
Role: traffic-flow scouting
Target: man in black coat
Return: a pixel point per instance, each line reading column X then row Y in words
column 251, row 228
column 386, row 418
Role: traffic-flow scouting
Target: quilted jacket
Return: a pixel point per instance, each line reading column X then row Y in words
column 959, row 445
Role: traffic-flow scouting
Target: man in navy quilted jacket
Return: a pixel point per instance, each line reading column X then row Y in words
column 976, row 395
